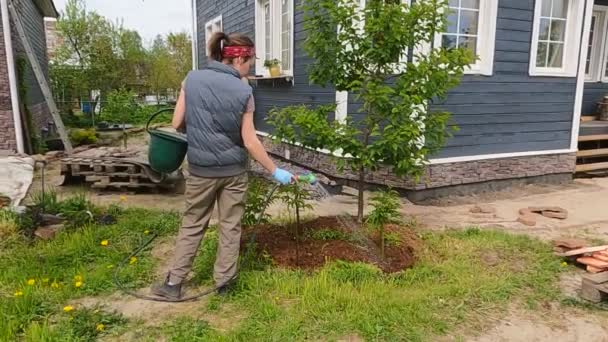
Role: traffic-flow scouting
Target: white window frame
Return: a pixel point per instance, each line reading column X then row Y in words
column 275, row 39
column 486, row 39
column 212, row 26
column 599, row 48
column 572, row 41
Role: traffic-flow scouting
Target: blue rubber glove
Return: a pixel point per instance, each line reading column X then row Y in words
column 282, row 176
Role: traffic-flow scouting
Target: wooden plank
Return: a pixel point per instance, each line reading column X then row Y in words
column 591, row 167
column 41, row 78
column 600, row 152
column 590, row 292
column 584, row 250
column 599, row 278
column 593, row 137
column 587, row 118
column 595, row 270
column 591, row 261
column 600, row 256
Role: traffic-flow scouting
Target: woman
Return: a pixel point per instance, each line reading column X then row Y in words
column 216, row 108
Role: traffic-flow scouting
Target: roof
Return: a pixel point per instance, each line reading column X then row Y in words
column 47, row 7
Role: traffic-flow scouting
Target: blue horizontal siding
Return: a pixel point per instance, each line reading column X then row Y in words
column 508, row 111
column 239, row 16
column 593, row 93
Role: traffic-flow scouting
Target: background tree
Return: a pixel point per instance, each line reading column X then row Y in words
column 180, row 49
column 384, row 55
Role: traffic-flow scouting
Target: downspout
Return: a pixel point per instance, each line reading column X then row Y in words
column 12, row 75
column 194, row 37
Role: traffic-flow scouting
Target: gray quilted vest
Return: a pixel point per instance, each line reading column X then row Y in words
column 215, row 101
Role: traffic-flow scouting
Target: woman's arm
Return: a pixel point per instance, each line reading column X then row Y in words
column 179, row 114
column 258, row 152
column 254, row 145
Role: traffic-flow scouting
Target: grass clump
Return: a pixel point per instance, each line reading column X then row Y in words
column 38, row 278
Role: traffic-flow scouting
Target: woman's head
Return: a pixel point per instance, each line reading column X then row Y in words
column 235, row 49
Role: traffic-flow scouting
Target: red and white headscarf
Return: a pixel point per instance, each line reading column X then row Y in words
column 238, row 51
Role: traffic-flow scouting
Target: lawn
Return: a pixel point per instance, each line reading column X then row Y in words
column 459, row 277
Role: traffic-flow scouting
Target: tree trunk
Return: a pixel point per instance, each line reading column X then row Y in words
column 297, row 235
column 361, row 193
column 382, row 241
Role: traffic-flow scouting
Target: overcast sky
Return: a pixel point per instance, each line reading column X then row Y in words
column 148, row 17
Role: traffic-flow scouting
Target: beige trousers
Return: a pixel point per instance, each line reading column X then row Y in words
column 201, row 195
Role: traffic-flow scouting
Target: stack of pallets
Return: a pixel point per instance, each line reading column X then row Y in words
column 114, row 173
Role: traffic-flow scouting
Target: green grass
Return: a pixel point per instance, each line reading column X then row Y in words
column 54, row 266
column 450, row 287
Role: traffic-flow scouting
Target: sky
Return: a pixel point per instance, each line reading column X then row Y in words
column 148, row 17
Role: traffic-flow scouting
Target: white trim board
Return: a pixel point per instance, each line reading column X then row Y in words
column 580, row 81
column 194, row 36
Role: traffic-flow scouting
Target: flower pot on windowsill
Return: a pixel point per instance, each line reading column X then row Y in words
column 275, row 71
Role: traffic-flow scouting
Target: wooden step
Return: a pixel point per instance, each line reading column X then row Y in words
column 600, row 152
column 586, row 118
column 592, row 167
column 593, row 137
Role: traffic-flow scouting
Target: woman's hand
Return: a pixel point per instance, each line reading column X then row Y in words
column 282, row 176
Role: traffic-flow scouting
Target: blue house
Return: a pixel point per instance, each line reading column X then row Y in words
column 523, row 108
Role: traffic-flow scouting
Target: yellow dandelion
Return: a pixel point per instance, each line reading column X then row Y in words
column 31, row 282
column 123, row 198
column 68, row 308
column 564, row 264
column 78, row 278
column 133, row 260
column 78, row 284
column 146, row 232
column 18, row 293
column 110, row 267
column 45, row 280
column 100, row 327
column 105, row 243
column 54, row 285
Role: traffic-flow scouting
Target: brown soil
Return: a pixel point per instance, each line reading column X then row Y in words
column 280, row 243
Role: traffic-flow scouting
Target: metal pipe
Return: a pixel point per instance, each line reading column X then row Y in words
column 12, row 75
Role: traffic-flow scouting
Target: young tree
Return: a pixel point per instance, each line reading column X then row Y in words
column 384, row 55
column 180, row 48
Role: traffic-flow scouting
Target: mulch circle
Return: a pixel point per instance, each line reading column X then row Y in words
column 279, row 242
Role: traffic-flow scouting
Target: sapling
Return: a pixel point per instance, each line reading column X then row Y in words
column 295, row 197
column 386, row 210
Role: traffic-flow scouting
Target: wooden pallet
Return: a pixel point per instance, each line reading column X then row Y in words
column 595, row 287
column 104, row 173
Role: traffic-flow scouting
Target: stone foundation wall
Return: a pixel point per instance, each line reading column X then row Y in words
column 436, row 175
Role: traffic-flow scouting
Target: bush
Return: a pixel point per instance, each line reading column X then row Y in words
column 83, row 136
column 121, row 107
column 257, row 201
column 386, row 205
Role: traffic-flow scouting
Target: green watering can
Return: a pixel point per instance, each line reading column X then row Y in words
column 167, row 150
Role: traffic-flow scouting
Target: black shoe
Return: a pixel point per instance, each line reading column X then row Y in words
column 227, row 288
column 166, row 291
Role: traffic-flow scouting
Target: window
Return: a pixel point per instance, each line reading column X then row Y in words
column 212, row 26
column 555, row 41
column 274, row 34
column 595, row 65
column 472, row 25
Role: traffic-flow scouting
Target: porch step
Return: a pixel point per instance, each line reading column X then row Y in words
column 587, row 118
column 592, row 167
column 600, row 152
column 593, row 137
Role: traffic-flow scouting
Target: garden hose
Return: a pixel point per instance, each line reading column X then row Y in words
column 193, row 297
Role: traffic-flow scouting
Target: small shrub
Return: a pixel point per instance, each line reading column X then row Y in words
column 392, row 239
column 386, row 205
column 83, row 136
column 295, row 196
column 257, row 198
column 47, row 201
column 78, row 211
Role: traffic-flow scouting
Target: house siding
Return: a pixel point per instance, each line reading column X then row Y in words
column 509, row 111
column 239, row 16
